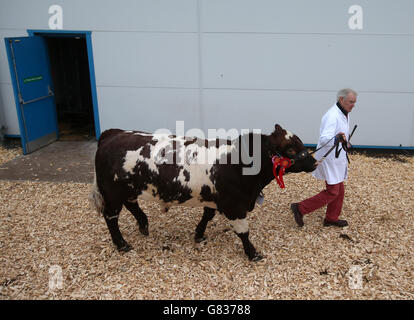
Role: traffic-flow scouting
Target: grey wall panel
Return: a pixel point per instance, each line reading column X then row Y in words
column 147, row 109
column 273, row 16
column 304, row 16
column 299, row 112
column 146, row 60
column 124, row 15
column 295, row 16
column 22, row 14
column 384, row 119
column 237, row 63
column 7, row 103
column 308, row 62
column 8, row 106
column 134, row 15
column 4, row 64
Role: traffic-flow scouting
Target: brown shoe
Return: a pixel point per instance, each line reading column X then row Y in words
column 339, row 223
column 296, row 214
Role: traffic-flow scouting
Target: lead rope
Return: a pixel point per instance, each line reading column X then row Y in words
column 323, row 145
column 336, row 145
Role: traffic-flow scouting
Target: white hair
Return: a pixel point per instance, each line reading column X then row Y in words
column 343, row 93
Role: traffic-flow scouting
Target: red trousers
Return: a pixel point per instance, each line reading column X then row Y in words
column 333, row 196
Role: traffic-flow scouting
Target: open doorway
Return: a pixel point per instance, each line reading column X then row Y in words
column 72, row 87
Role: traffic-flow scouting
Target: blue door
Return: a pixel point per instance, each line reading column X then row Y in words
column 33, row 90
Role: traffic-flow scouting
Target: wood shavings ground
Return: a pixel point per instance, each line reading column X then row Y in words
column 53, row 246
column 9, row 153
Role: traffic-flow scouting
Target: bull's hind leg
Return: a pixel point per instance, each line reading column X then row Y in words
column 139, row 215
column 241, row 228
column 111, row 216
column 202, row 225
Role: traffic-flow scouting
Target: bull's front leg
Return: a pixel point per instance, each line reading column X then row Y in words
column 241, row 228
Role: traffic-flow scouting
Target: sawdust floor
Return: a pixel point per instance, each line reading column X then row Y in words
column 52, row 246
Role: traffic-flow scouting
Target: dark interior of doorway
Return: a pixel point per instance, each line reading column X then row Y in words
column 70, row 72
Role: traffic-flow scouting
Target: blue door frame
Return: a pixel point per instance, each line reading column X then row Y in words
column 87, row 35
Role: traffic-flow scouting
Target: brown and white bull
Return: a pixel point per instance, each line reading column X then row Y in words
column 184, row 171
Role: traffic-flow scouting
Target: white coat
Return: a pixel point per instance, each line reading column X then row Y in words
column 332, row 170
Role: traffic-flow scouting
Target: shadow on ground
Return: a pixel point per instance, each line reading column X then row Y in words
column 61, row 161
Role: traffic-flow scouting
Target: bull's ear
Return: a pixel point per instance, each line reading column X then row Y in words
column 278, row 129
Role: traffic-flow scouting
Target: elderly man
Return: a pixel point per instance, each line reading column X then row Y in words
column 335, row 123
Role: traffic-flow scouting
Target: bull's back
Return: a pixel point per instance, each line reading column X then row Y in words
column 107, row 135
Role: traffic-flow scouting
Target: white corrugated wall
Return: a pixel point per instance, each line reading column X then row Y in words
column 238, row 63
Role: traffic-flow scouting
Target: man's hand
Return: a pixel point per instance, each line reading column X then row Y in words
column 340, row 137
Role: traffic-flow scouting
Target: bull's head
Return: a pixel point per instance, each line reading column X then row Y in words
column 286, row 144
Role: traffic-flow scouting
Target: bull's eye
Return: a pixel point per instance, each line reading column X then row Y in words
column 291, row 153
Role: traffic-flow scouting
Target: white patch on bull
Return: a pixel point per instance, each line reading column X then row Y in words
column 151, row 194
column 181, row 177
column 198, row 163
column 199, row 176
column 197, row 180
column 143, row 134
column 240, row 225
column 288, row 135
column 115, row 177
column 130, row 160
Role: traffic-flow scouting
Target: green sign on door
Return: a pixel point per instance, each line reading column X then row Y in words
column 32, row 79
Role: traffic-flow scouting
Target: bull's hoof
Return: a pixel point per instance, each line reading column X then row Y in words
column 125, row 248
column 200, row 239
column 257, row 257
column 144, row 230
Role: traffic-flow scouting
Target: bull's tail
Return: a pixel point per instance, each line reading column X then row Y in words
column 96, row 200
